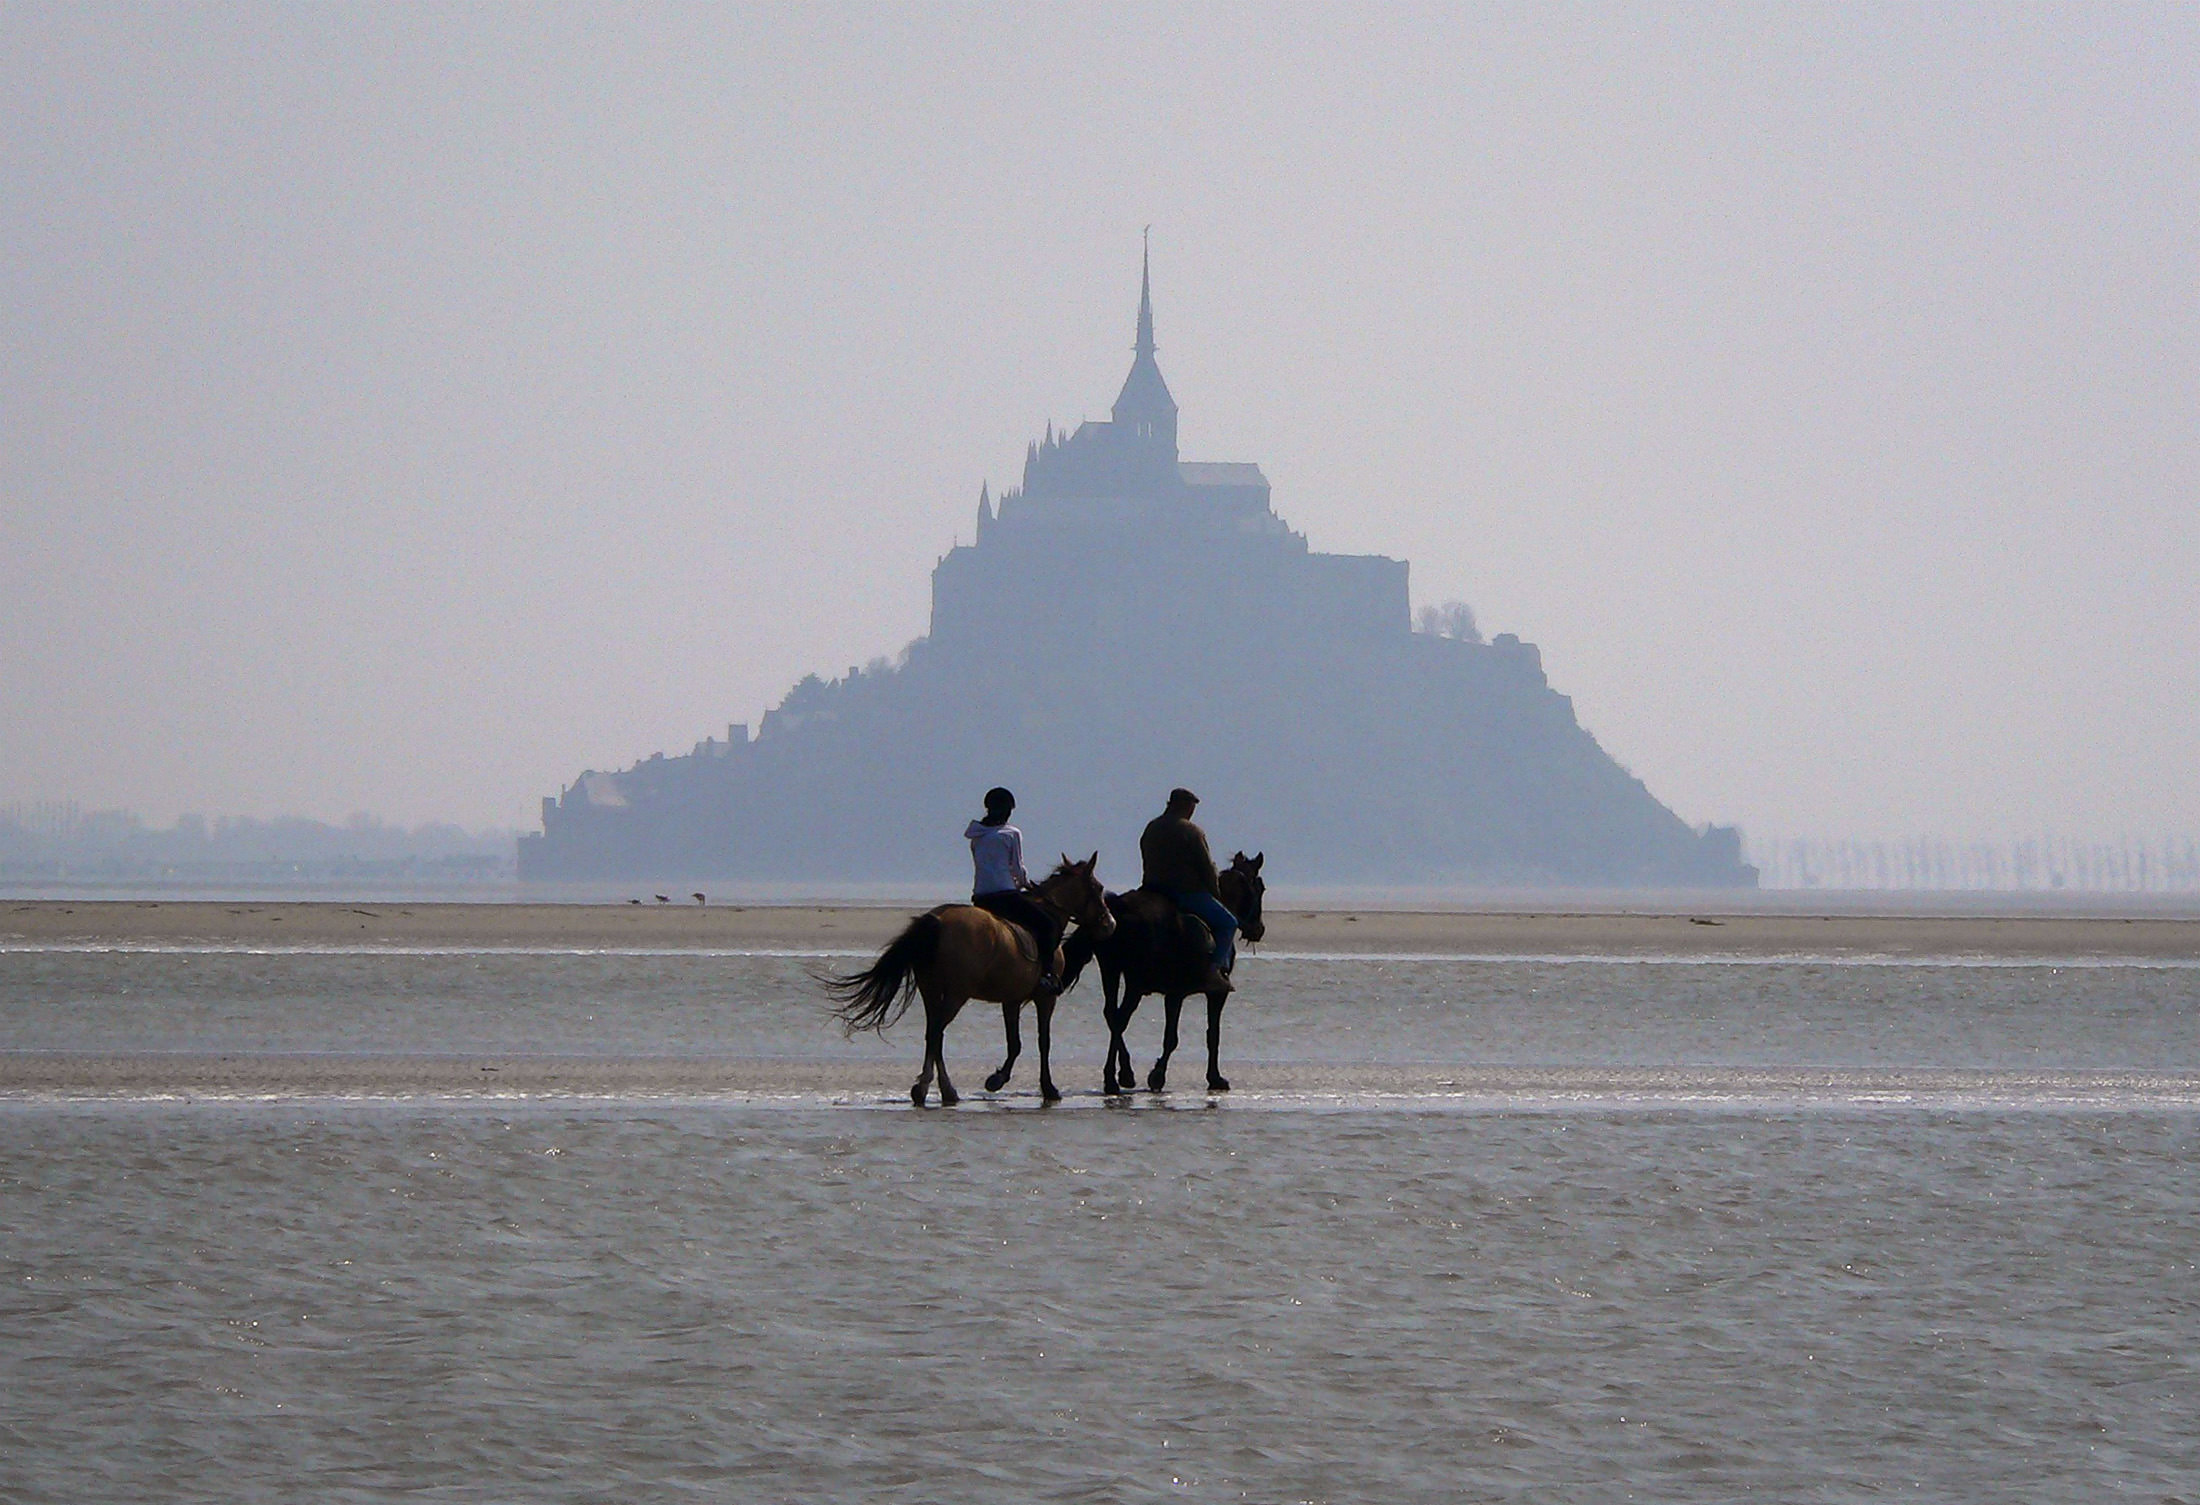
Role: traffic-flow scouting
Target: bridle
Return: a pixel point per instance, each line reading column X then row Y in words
column 1254, row 889
column 1094, row 910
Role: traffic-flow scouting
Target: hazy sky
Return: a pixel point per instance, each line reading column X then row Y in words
column 405, row 408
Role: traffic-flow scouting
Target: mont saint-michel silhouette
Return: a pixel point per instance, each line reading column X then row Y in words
column 1125, row 622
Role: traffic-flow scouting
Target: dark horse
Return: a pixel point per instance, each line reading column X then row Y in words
column 1156, row 948
column 959, row 952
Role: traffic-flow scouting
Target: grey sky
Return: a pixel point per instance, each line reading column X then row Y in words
column 403, row 408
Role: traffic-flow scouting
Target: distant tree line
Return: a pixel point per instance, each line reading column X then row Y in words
column 1449, row 619
column 2022, row 864
column 56, row 839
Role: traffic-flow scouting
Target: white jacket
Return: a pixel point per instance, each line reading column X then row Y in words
column 998, row 854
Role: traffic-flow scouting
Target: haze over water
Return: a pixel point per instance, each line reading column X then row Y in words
column 1467, row 1229
column 406, row 408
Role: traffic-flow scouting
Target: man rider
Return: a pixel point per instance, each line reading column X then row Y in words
column 1177, row 863
column 1000, row 885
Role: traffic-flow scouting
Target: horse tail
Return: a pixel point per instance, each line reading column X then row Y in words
column 879, row 995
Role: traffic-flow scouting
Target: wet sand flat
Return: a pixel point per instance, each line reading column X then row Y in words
column 827, row 928
column 429, row 1031
column 252, row 1075
column 94, row 1076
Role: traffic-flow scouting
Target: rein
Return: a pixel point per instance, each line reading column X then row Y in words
column 1244, row 885
column 1043, row 892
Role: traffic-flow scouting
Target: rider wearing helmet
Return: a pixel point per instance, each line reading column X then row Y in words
column 1178, row 864
column 1000, row 885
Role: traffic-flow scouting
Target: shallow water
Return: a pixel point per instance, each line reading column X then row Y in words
column 1369, row 1010
column 1598, row 1298
column 221, row 1302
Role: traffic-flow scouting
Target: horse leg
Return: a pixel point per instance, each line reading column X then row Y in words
column 1111, row 981
column 933, row 1024
column 1015, row 1035
column 1158, row 1078
column 952, row 1006
column 1048, row 1093
column 1216, row 1081
column 1129, row 1073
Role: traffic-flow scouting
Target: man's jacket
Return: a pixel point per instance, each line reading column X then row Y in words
column 1175, row 855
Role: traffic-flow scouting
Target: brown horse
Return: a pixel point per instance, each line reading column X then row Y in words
column 1156, row 948
column 959, row 952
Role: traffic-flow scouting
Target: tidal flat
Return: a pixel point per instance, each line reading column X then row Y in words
column 580, row 1202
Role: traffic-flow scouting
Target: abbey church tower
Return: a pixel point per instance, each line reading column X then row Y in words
column 1144, row 410
column 1112, row 537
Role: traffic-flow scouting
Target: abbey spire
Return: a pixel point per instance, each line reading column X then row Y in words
column 1145, row 302
column 1144, row 409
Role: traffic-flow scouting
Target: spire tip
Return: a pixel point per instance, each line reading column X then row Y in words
column 1145, row 345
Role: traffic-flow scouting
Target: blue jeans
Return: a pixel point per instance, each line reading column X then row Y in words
column 1219, row 920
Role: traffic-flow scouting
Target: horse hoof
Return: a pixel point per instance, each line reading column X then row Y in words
column 916, row 1095
column 1156, row 1082
column 996, row 1082
column 1218, row 1083
column 1049, row 1093
column 949, row 1099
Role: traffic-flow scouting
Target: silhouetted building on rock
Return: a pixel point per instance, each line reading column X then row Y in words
column 1127, row 621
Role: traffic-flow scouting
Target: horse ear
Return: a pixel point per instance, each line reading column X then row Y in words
column 1237, row 857
column 1258, row 859
column 1093, row 861
column 1066, row 862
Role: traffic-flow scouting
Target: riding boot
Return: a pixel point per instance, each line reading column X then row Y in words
column 1216, row 981
column 1049, row 942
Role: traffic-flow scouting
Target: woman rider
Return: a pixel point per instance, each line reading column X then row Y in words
column 997, row 853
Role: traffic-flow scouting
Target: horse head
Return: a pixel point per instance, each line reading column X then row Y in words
column 1242, row 889
column 1075, row 889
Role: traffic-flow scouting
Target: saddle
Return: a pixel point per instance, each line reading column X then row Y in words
column 1027, row 944
column 1156, row 909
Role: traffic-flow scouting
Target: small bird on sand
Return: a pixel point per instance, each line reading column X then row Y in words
column 700, row 899
column 661, row 899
